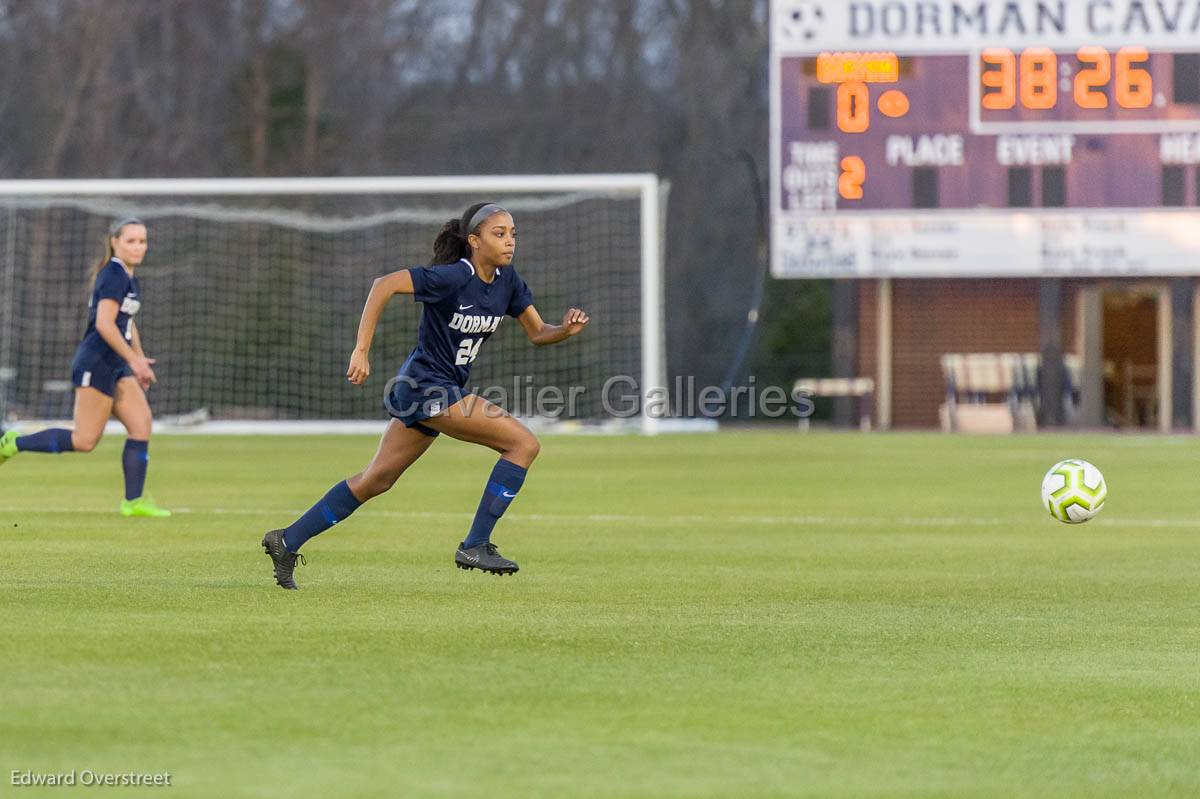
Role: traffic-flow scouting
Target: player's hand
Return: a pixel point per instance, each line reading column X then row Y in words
column 360, row 368
column 143, row 371
column 574, row 321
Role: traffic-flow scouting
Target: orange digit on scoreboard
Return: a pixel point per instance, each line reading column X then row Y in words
column 1090, row 82
column 1135, row 86
column 854, row 175
column 1039, row 79
column 1004, row 79
column 854, row 107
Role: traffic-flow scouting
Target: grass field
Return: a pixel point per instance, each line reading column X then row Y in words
column 733, row 615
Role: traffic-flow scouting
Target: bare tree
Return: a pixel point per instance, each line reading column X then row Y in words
column 263, row 87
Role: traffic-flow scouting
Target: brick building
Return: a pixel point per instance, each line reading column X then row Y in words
column 1134, row 339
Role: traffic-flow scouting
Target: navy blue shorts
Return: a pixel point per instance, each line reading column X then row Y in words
column 412, row 402
column 90, row 371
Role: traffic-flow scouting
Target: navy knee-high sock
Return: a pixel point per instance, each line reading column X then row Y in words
column 54, row 440
column 335, row 506
column 135, row 460
column 502, row 487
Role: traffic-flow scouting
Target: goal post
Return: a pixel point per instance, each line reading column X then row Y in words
column 253, row 288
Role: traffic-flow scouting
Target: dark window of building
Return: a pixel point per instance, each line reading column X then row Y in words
column 1173, row 186
column 1054, row 187
column 1187, row 77
column 925, row 188
column 818, row 109
column 1020, row 187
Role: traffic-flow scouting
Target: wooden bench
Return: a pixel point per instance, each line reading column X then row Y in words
column 859, row 388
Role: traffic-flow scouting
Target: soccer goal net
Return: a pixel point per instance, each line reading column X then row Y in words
column 252, row 291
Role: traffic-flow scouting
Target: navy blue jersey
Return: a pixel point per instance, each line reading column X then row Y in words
column 113, row 283
column 461, row 312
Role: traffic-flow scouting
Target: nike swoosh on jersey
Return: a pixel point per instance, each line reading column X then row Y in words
column 465, row 307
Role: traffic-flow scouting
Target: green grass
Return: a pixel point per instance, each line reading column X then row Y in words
column 745, row 614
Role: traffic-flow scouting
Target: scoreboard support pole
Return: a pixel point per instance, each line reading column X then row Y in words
column 845, row 346
column 1166, row 361
column 1050, row 296
column 1091, row 344
column 883, row 349
column 1196, row 358
column 1182, row 325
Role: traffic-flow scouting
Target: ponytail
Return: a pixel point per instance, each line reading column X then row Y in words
column 451, row 244
column 94, row 272
column 114, row 232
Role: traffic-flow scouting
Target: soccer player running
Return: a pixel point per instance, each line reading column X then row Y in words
column 470, row 288
column 111, row 372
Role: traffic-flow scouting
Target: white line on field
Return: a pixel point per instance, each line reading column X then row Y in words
column 651, row 519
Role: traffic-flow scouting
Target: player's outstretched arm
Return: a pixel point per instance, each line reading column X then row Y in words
column 542, row 334
column 382, row 290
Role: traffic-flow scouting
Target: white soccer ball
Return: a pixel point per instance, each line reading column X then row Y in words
column 1073, row 491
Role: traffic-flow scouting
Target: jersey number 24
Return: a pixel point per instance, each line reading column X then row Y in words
column 467, row 351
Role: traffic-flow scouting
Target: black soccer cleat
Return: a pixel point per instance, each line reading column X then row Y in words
column 484, row 557
column 284, row 561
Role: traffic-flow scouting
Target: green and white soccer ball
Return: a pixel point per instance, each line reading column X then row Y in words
column 1073, row 491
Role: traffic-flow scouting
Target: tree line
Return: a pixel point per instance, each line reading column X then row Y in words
column 165, row 88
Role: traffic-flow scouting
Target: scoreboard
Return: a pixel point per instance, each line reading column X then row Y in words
column 927, row 138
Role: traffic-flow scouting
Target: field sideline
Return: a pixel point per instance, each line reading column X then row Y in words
column 742, row 614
